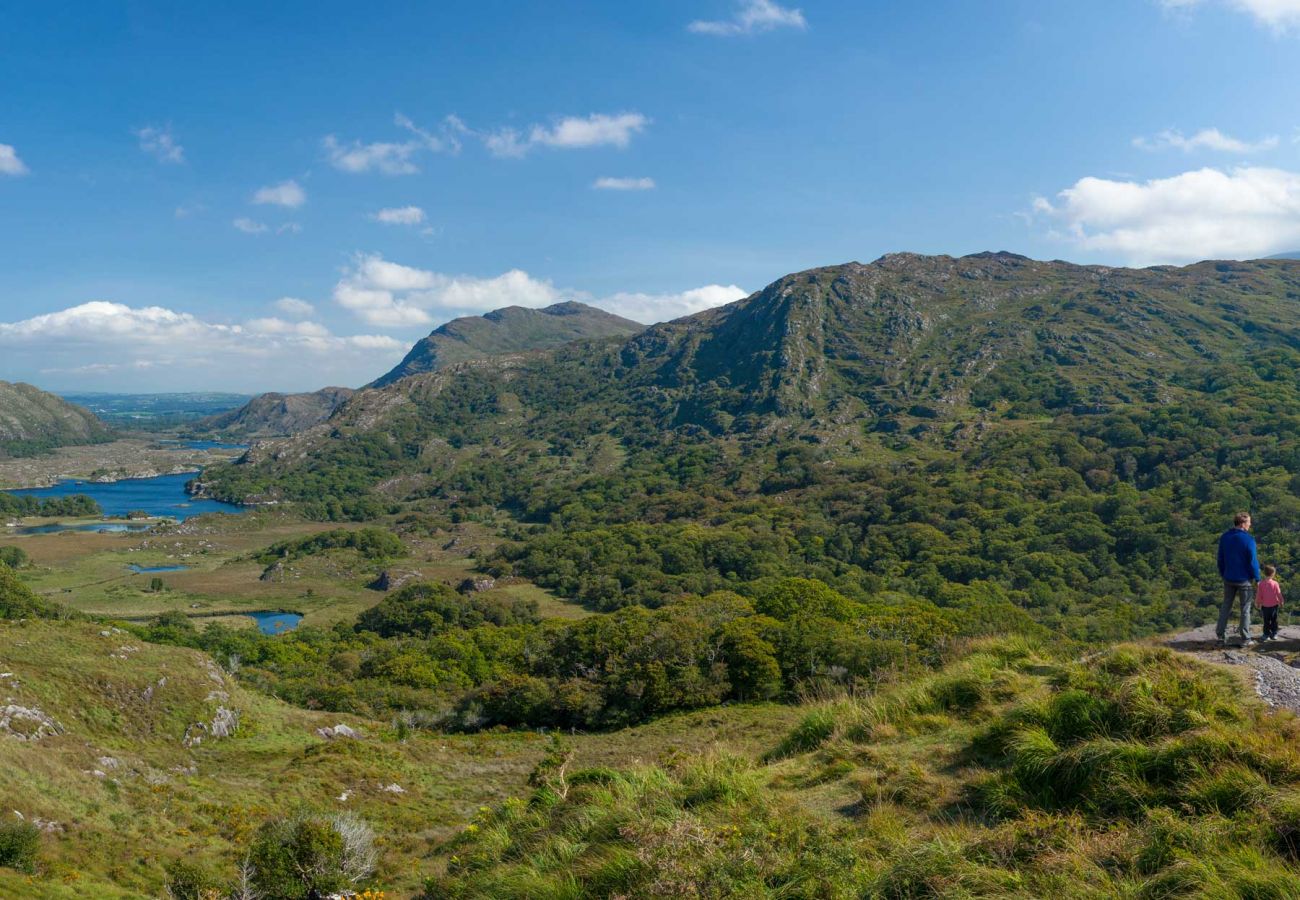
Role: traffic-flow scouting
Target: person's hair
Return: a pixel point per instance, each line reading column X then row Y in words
column 1270, row 571
column 1240, row 519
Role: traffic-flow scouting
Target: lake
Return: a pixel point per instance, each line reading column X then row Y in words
column 275, row 623
column 161, row 496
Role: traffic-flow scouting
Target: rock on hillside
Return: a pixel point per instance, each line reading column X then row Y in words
column 510, row 330
column 34, row 418
column 276, row 415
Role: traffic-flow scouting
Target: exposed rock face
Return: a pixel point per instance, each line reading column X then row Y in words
column 510, row 330
column 391, row 581
column 223, row 725
column 276, row 415
column 333, row 732
column 476, row 585
column 27, row 723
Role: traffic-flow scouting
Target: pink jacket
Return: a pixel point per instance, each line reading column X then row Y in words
column 1269, row 593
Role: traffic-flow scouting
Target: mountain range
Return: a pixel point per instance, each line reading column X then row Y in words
column 901, row 345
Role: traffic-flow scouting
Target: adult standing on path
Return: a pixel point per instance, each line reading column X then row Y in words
column 1239, row 569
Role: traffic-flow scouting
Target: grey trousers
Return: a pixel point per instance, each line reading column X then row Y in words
column 1235, row 592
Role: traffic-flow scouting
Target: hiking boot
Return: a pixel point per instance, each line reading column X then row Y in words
column 1247, row 643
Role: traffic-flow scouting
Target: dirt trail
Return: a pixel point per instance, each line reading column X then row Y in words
column 1271, row 665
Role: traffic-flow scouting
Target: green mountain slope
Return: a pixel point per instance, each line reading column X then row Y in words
column 32, row 420
column 509, row 330
column 1067, row 438
column 275, row 415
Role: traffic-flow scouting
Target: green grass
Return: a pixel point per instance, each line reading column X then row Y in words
column 1011, row 773
column 117, row 697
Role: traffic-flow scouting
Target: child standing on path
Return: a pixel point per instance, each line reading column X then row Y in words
column 1269, row 598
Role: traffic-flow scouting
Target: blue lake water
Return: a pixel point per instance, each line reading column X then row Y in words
column 106, row 527
column 275, row 623
column 161, row 496
column 150, row 570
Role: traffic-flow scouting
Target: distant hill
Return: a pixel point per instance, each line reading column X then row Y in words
column 509, row 330
column 276, row 415
column 32, row 420
column 1294, row 254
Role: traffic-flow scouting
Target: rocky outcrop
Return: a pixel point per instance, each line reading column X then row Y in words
column 27, row 723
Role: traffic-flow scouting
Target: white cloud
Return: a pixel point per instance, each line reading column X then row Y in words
column 569, row 133
column 624, row 184
column 260, row 354
column 289, row 228
column 160, row 143
column 752, row 17
column 1205, row 139
column 394, row 157
column 249, row 226
column 286, row 193
column 399, row 215
column 651, row 308
column 292, row 306
column 390, row 295
column 1277, row 14
column 10, row 164
column 1241, row 213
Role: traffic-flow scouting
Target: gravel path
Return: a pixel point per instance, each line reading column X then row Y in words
column 1273, row 664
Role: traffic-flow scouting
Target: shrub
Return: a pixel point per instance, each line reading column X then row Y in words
column 311, row 856
column 13, row 557
column 189, row 881
column 19, row 844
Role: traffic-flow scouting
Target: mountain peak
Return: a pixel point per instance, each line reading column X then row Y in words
column 511, row 329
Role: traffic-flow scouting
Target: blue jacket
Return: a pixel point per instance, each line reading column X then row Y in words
column 1237, row 560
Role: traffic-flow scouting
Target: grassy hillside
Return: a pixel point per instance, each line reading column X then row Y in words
column 32, row 421
column 119, row 797
column 1013, row 773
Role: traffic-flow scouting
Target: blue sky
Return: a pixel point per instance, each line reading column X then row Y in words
column 257, row 196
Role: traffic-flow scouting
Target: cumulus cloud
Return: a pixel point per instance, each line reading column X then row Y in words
column 287, row 193
column 160, row 143
column 569, row 133
column 390, row 295
column 292, row 306
column 399, row 215
column 102, row 338
column 10, row 164
column 1205, row 139
column 752, row 17
column 624, row 184
column 651, row 308
column 1240, row 213
column 1277, row 14
column 386, row 294
column 394, row 157
column 249, row 226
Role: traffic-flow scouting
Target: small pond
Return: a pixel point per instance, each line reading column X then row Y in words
column 275, row 622
column 150, row 570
